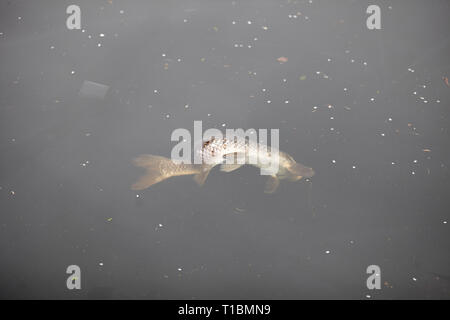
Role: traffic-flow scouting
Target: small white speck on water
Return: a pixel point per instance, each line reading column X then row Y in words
column 180, row 269
column 392, row 162
column 333, row 161
column 99, row 45
column 186, row 106
column 438, row 101
column 389, row 119
column 413, row 173
column 233, row 22
column 249, row 22
column 331, row 129
column 52, row 47
column 101, row 35
column 155, row 91
column 327, row 252
column 121, row 12
column 72, row 72
column 137, row 196
column 382, row 134
column 354, row 167
column 263, row 90
column 345, row 89
column 160, row 225
column 365, row 63
column 331, row 118
column 268, row 101
column 414, row 279
column 415, row 92
column 415, row 161
column 223, row 124
column 100, row 264
column 368, row 296
column 167, row 116
column 287, row 101
column 372, row 99
column 444, row 222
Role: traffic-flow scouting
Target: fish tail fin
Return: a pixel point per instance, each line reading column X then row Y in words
column 157, row 169
column 200, row 177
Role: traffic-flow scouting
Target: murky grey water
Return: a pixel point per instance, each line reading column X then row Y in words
column 367, row 109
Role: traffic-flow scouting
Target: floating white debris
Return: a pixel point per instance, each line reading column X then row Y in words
column 92, row 89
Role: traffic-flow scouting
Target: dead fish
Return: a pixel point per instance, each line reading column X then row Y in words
column 215, row 152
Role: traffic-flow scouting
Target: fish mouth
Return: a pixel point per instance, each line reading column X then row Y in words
column 309, row 173
column 302, row 172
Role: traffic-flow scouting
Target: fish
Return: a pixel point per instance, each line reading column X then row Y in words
column 215, row 152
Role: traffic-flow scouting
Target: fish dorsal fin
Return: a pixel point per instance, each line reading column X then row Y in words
column 200, row 177
column 229, row 167
column 272, row 184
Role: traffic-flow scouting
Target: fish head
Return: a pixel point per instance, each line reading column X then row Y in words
column 300, row 171
column 297, row 170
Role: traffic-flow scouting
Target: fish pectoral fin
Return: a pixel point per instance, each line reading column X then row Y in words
column 229, row 167
column 200, row 177
column 272, row 184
